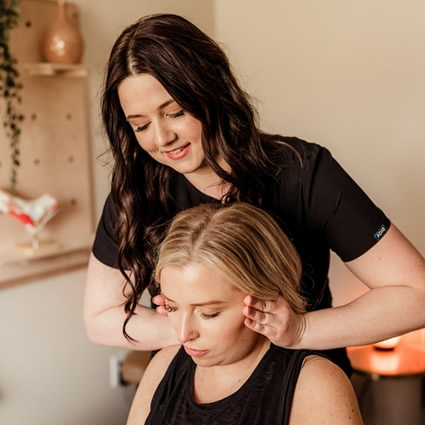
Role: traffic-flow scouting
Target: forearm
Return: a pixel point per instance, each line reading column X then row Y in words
column 150, row 330
column 379, row 314
column 104, row 314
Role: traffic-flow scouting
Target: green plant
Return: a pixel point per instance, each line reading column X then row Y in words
column 10, row 85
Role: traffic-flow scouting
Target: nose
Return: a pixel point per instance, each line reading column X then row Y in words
column 186, row 329
column 163, row 134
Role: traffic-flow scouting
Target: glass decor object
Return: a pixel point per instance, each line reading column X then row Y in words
column 62, row 42
column 33, row 215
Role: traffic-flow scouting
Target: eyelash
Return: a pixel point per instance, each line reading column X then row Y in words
column 209, row 316
column 141, row 128
column 175, row 115
column 204, row 316
column 169, row 309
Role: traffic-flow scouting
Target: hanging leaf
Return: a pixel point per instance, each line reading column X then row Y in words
column 10, row 86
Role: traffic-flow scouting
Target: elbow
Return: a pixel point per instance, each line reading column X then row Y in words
column 93, row 328
column 94, row 337
column 100, row 332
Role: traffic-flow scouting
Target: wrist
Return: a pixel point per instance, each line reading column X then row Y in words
column 302, row 331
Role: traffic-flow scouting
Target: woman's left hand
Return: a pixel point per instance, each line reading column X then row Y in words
column 159, row 301
column 276, row 320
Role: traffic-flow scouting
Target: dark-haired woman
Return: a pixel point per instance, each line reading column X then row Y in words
column 182, row 132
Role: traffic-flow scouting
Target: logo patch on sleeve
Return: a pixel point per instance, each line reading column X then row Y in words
column 380, row 232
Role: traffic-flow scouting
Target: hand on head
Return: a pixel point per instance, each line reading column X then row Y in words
column 159, row 301
column 276, row 320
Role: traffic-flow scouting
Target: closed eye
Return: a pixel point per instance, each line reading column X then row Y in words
column 209, row 316
column 169, row 308
column 141, row 128
column 175, row 115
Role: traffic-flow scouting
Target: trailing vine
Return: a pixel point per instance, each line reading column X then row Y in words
column 10, row 85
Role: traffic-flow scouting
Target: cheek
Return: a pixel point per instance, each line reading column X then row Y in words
column 195, row 128
column 233, row 326
column 174, row 320
column 145, row 144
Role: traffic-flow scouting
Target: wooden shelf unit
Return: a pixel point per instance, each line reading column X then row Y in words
column 55, row 153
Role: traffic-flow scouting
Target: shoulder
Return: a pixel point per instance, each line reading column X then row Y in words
column 328, row 393
column 302, row 162
column 296, row 149
column 159, row 364
column 152, row 376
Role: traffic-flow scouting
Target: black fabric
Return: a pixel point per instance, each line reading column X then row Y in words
column 264, row 399
column 318, row 205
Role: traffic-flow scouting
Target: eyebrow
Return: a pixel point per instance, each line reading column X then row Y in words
column 162, row 106
column 212, row 302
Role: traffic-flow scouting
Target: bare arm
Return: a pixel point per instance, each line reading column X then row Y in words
column 104, row 313
column 394, row 271
column 324, row 395
column 155, row 371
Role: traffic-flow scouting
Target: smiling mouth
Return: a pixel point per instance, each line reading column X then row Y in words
column 178, row 153
column 177, row 150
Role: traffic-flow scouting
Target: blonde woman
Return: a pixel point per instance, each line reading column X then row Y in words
column 211, row 260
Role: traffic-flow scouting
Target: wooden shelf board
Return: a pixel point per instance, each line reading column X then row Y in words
column 51, row 69
column 17, row 268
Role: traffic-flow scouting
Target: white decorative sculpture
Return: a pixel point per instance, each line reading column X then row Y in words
column 33, row 214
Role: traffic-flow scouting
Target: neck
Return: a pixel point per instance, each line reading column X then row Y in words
column 208, row 182
column 217, row 382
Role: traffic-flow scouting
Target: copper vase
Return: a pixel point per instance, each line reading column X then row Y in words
column 62, row 42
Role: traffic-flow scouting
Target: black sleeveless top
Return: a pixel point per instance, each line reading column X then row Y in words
column 264, row 399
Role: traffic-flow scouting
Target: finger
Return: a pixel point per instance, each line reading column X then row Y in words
column 260, row 305
column 255, row 326
column 257, row 316
column 158, row 300
column 161, row 310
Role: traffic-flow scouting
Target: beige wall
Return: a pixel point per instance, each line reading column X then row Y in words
column 350, row 76
column 50, row 374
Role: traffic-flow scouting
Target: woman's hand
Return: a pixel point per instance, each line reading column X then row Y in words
column 159, row 301
column 276, row 320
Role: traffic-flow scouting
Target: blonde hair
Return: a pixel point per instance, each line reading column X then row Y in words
column 240, row 242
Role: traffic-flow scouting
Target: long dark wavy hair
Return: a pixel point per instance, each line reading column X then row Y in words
column 195, row 71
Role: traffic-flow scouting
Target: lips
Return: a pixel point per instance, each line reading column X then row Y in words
column 178, row 153
column 195, row 353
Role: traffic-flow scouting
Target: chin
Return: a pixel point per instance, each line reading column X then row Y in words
column 183, row 169
column 204, row 362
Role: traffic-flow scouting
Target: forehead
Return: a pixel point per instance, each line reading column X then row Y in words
column 141, row 89
column 196, row 283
